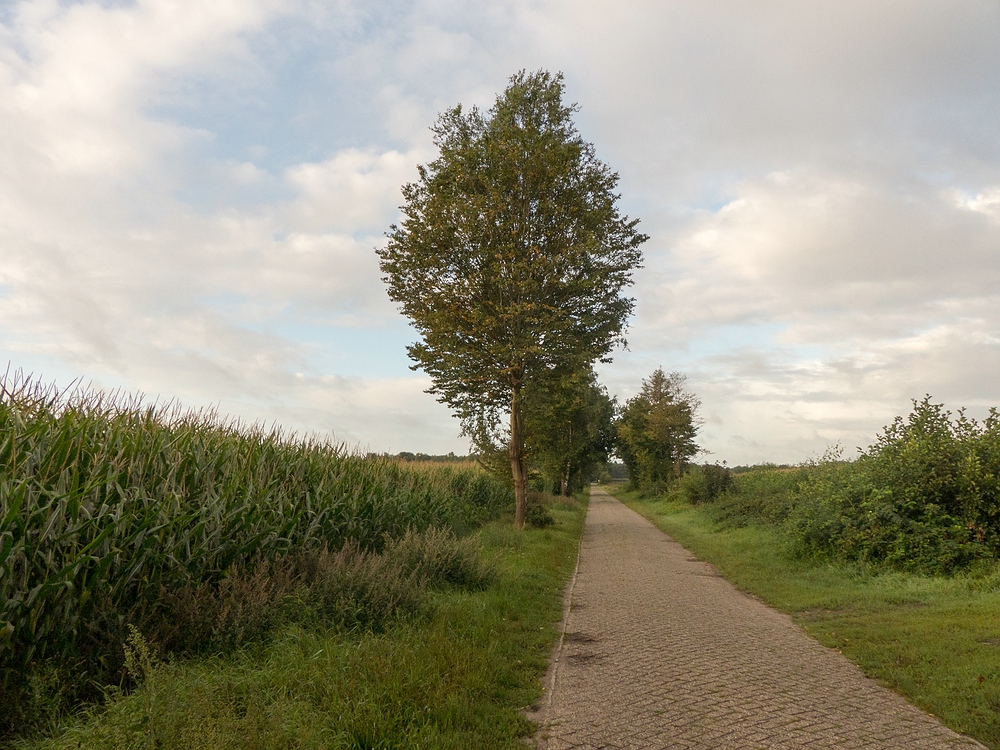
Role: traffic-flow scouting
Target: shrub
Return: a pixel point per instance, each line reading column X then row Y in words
column 923, row 497
column 353, row 587
column 763, row 495
column 358, row 588
column 537, row 511
column 703, row 484
column 220, row 616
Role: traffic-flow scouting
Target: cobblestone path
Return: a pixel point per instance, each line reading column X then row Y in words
column 660, row 651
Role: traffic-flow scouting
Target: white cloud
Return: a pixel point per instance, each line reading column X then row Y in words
column 381, row 414
column 75, row 94
column 354, row 189
column 803, row 244
column 190, row 194
column 985, row 202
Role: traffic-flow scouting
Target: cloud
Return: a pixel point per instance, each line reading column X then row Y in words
column 846, row 292
column 86, row 69
column 105, row 271
column 816, row 246
column 691, row 94
column 380, row 414
column 190, row 196
column 353, row 190
column 986, row 202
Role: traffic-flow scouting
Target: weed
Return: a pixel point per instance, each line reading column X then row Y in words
column 764, row 495
column 537, row 511
column 440, row 558
column 358, row 588
column 704, row 484
column 220, row 616
column 457, row 678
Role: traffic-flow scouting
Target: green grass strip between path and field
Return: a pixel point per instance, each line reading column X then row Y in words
column 456, row 677
column 936, row 640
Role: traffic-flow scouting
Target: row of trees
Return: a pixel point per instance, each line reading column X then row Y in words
column 573, row 428
column 574, row 432
column 511, row 260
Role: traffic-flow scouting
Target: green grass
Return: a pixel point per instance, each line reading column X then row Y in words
column 457, row 676
column 934, row 639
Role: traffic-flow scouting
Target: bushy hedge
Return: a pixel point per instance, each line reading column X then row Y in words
column 703, row 484
column 766, row 495
column 925, row 496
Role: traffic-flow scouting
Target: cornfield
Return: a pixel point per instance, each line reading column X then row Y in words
column 105, row 502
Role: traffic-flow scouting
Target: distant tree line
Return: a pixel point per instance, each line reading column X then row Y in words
column 447, row 458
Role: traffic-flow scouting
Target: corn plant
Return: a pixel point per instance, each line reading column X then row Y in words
column 105, row 501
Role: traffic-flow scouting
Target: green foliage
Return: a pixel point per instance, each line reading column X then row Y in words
column 925, row 496
column 538, row 515
column 106, row 504
column 616, row 471
column 458, row 676
column 568, row 422
column 441, row 559
column 358, row 588
column 656, row 431
column 510, row 258
column 220, row 615
column 511, row 253
column 351, row 587
column 703, row 484
column 765, row 494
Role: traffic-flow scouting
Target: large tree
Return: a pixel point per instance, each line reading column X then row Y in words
column 657, row 430
column 510, row 259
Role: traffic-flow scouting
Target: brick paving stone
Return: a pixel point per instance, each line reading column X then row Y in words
column 660, row 651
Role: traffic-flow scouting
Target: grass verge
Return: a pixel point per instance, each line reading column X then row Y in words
column 456, row 676
column 934, row 639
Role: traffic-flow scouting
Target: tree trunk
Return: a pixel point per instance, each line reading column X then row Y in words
column 566, row 470
column 517, row 459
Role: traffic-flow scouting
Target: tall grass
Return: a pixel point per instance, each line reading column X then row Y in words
column 458, row 676
column 765, row 494
column 105, row 503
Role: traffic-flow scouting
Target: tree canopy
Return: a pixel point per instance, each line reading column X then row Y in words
column 569, row 426
column 510, row 259
column 656, row 430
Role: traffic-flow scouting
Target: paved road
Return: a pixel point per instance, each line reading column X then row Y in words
column 659, row 651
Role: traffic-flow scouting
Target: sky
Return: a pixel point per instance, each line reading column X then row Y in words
column 191, row 195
